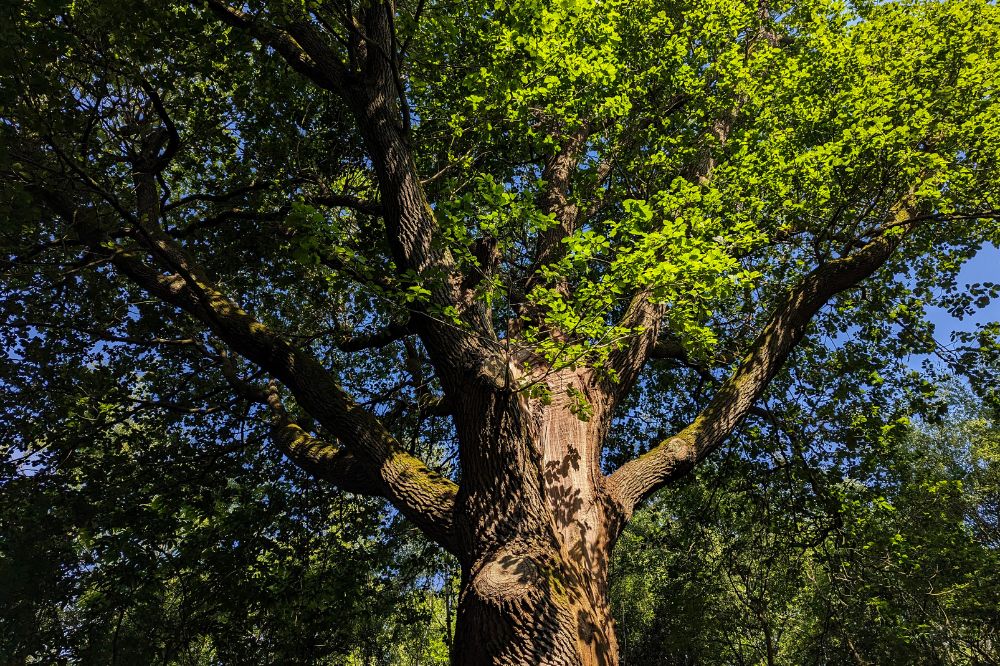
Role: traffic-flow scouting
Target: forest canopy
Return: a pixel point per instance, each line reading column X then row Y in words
column 568, row 333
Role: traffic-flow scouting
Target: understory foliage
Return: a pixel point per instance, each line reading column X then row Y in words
column 122, row 555
column 141, row 546
column 782, row 559
column 255, row 256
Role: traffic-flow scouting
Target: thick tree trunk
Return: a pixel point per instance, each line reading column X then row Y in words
column 526, row 607
column 535, row 529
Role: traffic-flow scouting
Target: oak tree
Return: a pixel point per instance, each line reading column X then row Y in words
column 514, row 225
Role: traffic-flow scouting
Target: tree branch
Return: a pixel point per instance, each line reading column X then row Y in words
column 372, row 208
column 554, row 200
column 370, row 89
column 216, row 198
column 281, row 41
column 323, row 460
column 420, row 494
column 644, row 317
column 676, row 456
column 376, row 340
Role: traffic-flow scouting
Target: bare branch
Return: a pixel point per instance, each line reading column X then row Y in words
column 376, row 340
column 330, row 200
column 159, row 161
column 216, row 198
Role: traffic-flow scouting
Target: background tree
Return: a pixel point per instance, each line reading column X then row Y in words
column 512, row 228
column 885, row 558
column 125, row 539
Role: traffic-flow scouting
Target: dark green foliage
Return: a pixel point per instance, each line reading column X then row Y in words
column 895, row 562
column 145, row 516
column 139, row 546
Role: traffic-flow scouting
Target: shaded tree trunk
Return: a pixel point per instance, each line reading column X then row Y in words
column 535, row 528
column 522, row 607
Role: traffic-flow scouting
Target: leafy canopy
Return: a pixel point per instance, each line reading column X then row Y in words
column 718, row 152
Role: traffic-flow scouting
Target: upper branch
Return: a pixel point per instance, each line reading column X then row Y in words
column 371, row 87
column 555, row 200
column 349, row 342
column 324, row 72
column 642, row 316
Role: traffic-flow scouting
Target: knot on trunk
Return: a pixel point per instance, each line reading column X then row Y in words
column 508, row 577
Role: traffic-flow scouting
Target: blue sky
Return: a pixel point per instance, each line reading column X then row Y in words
column 984, row 267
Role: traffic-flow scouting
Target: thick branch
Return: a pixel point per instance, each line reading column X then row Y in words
column 282, row 42
column 643, row 317
column 555, row 200
column 323, row 460
column 420, row 494
column 463, row 354
column 676, row 456
column 371, row 91
column 423, row 496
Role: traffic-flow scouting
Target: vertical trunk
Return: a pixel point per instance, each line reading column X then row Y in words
column 534, row 528
column 520, row 609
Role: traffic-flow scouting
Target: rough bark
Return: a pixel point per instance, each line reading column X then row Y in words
column 532, row 523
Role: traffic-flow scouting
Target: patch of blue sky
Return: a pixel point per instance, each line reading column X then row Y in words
column 984, row 267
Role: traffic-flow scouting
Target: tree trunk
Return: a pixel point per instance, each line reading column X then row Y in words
column 535, row 528
column 528, row 608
